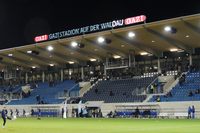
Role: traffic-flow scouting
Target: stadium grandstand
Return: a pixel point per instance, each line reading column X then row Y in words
column 114, row 69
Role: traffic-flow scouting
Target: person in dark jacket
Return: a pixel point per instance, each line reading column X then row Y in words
column 193, row 112
column 4, row 116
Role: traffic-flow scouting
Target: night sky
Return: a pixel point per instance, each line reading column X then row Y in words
column 22, row 20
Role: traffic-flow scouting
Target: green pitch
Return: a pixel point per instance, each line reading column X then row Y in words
column 74, row 125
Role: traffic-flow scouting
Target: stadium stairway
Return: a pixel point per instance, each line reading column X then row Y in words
column 181, row 92
column 166, row 88
column 46, row 93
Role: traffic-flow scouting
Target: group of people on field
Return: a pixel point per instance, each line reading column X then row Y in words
column 191, row 112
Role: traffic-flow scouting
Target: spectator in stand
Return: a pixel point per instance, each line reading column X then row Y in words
column 96, row 90
column 169, row 94
column 190, row 94
column 111, row 93
column 151, row 89
column 197, row 91
column 158, row 99
column 38, row 99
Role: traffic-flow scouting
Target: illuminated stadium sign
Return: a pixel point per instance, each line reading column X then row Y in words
column 134, row 20
column 91, row 28
column 41, row 38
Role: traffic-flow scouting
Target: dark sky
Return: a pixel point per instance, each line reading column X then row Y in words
column 22, row 20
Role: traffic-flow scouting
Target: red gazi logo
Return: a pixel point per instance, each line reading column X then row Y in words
column 41, row 38
column 134, row 20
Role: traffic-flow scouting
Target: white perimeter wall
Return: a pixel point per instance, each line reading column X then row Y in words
column 164, row 107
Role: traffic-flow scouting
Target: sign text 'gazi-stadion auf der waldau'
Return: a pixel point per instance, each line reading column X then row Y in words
column 91, row 28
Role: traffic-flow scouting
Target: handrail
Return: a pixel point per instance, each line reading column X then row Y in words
column 151, row 82
column 73, row 87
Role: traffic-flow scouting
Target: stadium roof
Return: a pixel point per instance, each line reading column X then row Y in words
column 151, row 38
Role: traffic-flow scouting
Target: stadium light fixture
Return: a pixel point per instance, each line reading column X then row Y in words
column 74, row 44
column 51, row 65
column 10, row 55
column 168, row 28
column 143, row 53
column 116, row 56
column 101, row 40
column 70, row 62
column 50, row 48
column 92, row 59
column 29, row 51
column 131, row 34
column 173, row 50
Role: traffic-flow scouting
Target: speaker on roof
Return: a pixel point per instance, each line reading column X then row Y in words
column 108, row 41
column 35, row 52
column 173, row 30
column 81, row 45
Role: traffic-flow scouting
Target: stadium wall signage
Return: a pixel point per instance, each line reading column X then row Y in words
column 91, row 28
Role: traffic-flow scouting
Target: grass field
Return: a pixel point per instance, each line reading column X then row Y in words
column 73, row 125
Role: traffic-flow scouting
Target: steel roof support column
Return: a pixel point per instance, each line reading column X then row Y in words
column 159, row 68
column 82, row 73
column 190, row 59
column 26, row 78
column 43, row 77
column 61, row 75
column 105, row 66
column 129, row 60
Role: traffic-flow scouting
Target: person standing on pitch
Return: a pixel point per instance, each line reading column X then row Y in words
column 4, row 116
column 189, row 112
column 39, row 114
column 193, row 112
